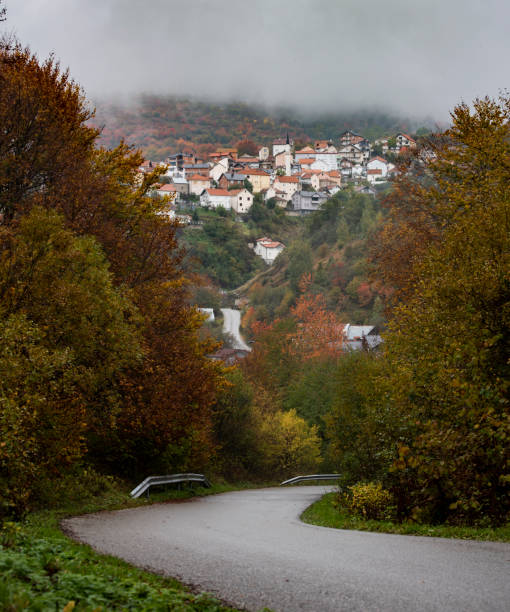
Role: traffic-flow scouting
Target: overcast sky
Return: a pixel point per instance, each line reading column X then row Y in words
column 418, row 57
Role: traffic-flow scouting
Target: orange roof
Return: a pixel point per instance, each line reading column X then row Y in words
column 287, row 179
column 306, row 150
column 307, row 160
column 334, row 173
column 374, row 171
column 271, row 245
column 167, row 188
column 407, row 136
column 219, row 192
column 254, row 171
column 197, row 177
column 379, row 158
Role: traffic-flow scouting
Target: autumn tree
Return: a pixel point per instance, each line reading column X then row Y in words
column 44, row 139
column 447, row 241
column 119, row 310
column 247, row 147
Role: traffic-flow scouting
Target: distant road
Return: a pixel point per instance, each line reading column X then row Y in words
column 250, row 549
column 231, row 323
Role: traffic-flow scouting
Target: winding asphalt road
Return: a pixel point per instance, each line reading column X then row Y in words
column 231, row 323
column 250, row 549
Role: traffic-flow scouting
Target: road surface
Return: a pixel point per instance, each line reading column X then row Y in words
column 231, row 322
column 250, row 549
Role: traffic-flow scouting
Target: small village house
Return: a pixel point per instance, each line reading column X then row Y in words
column 268, row 249
column 231, row 179
column 260, row 179
column 288, row 185
column 241, row 200
column 198, row 183
column 214, row 198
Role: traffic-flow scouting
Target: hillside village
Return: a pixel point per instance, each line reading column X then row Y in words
column 298, row 180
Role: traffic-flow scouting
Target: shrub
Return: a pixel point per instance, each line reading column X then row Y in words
column 369, row 501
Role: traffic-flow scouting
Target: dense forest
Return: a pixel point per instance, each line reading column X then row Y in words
column 161, row 126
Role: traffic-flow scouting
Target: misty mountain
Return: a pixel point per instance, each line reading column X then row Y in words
column 161, row 125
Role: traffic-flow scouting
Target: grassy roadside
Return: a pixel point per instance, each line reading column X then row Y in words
column 327, row 513
column 43, row 569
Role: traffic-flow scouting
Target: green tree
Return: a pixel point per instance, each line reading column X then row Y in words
column 300, row 263
column 67, row 334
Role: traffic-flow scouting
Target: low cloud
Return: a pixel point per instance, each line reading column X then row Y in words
column 415, row 58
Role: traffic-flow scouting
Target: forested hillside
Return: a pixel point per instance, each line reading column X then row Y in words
column 331, row 250
column 160, row 126
column 218, row 249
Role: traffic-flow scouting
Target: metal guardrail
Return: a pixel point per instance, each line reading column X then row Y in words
column 297, row 479
column 168, row 479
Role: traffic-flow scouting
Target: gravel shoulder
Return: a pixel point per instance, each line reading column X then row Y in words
column 250, row 548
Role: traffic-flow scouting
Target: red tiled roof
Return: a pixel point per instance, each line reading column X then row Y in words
column 271, row 245
column 307, row 160
column 219, row 192
column 334, row 173
column 287, row 179
column 379, row 158
column 407, row 136
column 198, row 177
column 254, row 171
column 375, row 171
column 167, row 187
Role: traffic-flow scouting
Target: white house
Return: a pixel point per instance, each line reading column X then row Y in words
column 214, row 198
column 355, row 336
column 351, row 152
column 268, row 249
column 404, row 140
column 241, row 200
column 320, row 164
column 167, row 190
column 328, row 158
column 378, row 163
column 198, row 183
column 287, row 184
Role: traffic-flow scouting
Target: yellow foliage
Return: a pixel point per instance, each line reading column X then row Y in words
column 369, row 501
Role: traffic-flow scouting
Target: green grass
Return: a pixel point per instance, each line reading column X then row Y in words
column 326, row 512
column 42, row 569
